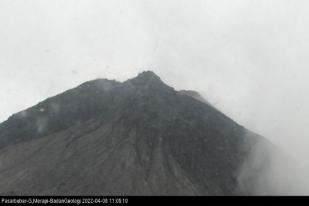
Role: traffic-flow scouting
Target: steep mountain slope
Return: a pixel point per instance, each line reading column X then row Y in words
column 139, row 137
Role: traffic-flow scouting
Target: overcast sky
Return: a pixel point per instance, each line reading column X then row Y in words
column 249, row 58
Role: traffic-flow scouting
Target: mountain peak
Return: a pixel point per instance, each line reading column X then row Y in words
column 146, row 79
column 141, row 134
column 148, row 76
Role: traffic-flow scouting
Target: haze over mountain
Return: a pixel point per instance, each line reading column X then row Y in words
column 138, row 137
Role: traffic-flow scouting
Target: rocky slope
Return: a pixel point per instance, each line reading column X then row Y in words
column 138, row 137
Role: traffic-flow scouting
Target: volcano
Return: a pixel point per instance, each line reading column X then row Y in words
column 137, row 137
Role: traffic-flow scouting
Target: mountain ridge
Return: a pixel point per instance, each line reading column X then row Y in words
column 165, row 142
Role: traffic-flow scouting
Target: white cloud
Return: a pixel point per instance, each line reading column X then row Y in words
column 249, row 57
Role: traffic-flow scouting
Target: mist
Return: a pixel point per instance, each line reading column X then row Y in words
column 269, row 170
column 247, row 58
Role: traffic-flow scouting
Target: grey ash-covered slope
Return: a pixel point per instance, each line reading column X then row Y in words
column 138, row 137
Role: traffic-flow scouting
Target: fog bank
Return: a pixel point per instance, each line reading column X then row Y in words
column 246, row 57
